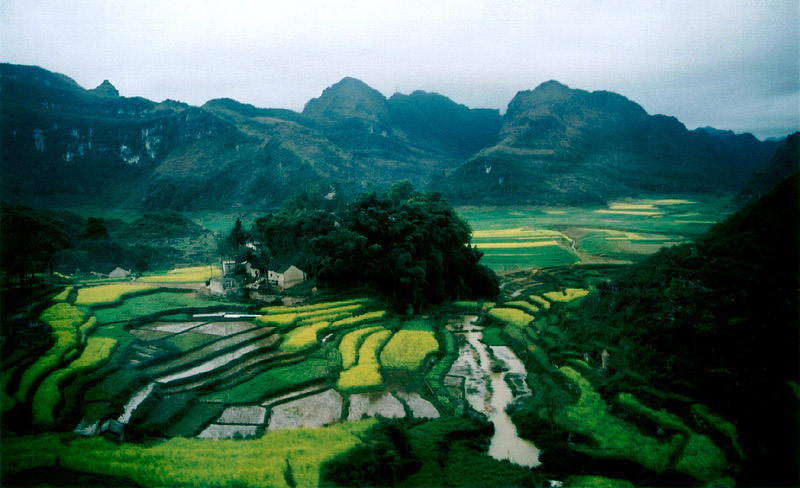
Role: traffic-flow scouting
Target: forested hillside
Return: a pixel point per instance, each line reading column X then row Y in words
column 716, row 321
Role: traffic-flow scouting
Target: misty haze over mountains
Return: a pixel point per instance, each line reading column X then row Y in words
column 554, row 145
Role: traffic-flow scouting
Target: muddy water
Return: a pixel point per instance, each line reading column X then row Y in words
column 488, row 392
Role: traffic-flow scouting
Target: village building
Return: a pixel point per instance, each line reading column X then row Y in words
column 284, row 275
column 119, row 273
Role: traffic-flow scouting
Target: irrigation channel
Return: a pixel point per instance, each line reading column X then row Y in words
column 488, row 392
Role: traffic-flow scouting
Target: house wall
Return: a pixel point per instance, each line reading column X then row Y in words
column 287, row 279
column 293, row 276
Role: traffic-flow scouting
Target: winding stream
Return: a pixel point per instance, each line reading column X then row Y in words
column 488, row 393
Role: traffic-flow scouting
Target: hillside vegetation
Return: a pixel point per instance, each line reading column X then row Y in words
column 708, row 327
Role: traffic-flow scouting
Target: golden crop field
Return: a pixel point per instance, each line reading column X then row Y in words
column 193, row 274
column 567, row 295
column 366, row 374
column 65, row 319
column 107, row 294
column 47, row 396
column 191, row 462
column 517, row 245
column 348, row 347
column 359, row 319
column 515, row 233
column 303, row 337
column 316, row 306
column 523, row 305
column 407, row 349
column 511, row 316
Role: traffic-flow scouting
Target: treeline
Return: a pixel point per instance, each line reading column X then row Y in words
column 41, row 241
column 409, row 246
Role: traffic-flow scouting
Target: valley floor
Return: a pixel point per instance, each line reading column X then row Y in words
column 136, row 364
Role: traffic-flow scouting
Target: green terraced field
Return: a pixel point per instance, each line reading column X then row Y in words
column 271, row 382
column 149, row 304
column 520, row 237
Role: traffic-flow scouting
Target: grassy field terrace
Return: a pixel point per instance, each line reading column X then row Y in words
column 277, row 395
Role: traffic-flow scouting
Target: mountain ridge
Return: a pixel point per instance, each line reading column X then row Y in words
column 555, row 144
column 559, row 145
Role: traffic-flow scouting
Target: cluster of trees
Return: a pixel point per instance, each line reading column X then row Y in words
column 384, row 459
column 412, row 247
column 40, row 241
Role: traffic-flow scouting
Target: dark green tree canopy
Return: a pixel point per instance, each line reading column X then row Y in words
column 411, row 246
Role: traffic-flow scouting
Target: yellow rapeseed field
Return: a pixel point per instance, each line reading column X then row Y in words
column 106, row 294
column 303, row 337
column 348, row 347
column 511, row 316
column 191, row 462
column 193, row 274
column 65, row 319
column 516, row 245
column 47, row 396
column 407, row 349
column 567, row 295
column 366, row 374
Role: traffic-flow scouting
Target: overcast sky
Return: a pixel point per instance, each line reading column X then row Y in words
column 728, row 64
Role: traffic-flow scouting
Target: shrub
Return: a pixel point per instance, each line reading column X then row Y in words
column 419, row 324
column 596, row 482
column 612, row 437
column 665, row 420
column 721, row 425
column 384, row 459
column 701, row 459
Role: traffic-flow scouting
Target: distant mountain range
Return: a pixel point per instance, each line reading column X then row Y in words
column 65, row 145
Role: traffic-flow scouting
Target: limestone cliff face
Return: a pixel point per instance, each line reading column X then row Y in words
column 63, row 144
column 558, row 145
column 60, row 139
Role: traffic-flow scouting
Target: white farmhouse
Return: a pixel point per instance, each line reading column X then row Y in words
column 119, row 273
column 284, row 275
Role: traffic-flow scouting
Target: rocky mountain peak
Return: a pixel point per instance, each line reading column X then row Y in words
column 554, row 98
column 349, row 98
column 105, row 89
